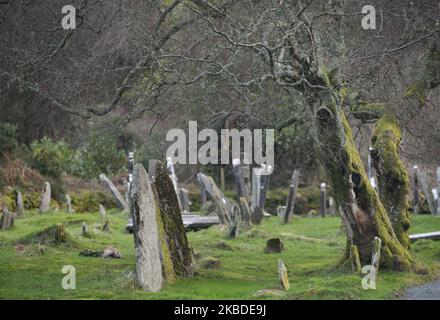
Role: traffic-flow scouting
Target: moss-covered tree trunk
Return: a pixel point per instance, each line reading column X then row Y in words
column 363, row 214
column 392, row 175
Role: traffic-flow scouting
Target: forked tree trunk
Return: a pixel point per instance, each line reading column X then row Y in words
column 392, row 176
column 363, row 214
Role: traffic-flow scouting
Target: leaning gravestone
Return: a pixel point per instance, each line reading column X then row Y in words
column 7, row 219
column 174, row 231
column 291, row 197
column 421, row 179
column 116, row 194
column 45, row 198
column 245, row 213
column 282, row 275
column 147, row 232
column 20, row 205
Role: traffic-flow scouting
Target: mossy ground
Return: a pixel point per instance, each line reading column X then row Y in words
column 313, row 249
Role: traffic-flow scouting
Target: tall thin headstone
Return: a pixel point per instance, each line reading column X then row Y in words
column 415, row 191
column 256, row 188
column 102, row 212
column 323, row 200
column 20, row 204
column 202, row 191
column 45, row 198
column 291, row 197
column 239, row 180
column 172, row 174
column 69, row 208
column 146, row 232
column 421, row 179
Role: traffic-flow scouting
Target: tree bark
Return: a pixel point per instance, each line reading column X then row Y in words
column 393, row 180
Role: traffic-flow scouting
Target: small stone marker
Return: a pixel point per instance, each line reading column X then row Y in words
column 375, row 259
column 291, row 198
column 45, row 198
column 85, row 229
column 102, row 212
column 233, row 226
column 322, row 200
column 257, row 215
column 274, row 245
column 116, row 194
column 69, row 204
column 20, row 205
column 7, row 219
column 331, row 206
column 106, row 227
column 282, row 275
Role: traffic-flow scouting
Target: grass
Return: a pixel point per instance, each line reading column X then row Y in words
column 313, row 247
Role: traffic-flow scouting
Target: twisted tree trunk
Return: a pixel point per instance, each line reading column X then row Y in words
column 363, row 213
column 392, row 176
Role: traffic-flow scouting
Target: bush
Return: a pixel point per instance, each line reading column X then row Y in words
column 8, row 138
column 50, row 158
column 99, row 155
column 89, row 201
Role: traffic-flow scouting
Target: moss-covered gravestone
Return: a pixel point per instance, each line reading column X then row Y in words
column 174, row 230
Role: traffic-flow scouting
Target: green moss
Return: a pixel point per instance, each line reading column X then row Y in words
column 366, row 111
column 392, row 175
column 89, row 201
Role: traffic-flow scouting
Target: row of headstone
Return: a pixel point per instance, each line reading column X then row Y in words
column 432, row 198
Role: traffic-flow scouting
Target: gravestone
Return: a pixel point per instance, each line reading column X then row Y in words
column 202, row 191
column 106, row 226
column 102, row 212
column 436, row 201
column 291, row 197
column 239, row 180
column 263, row 190
column 256, row 188
column 174, row 235
column 45, row 198
column 422, row 181
column 173, row 177
column 85, row 229
column 282, row 275
column 322, row 200
column 274, row 245
column 233, row 225
column 69, row 208
column 331, row 206
column 416, row 200
column 257, row 215
column 245, row 213
column 7, row 219
column 222, row 204
column 146, row 233
column 184, row 200
column 120, row 202
column 20, row 204
column 375, row 259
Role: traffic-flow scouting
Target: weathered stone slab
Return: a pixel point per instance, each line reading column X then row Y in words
column 102, row 212
column 146, row 232
column 257, row 215
column 120, row 202
column 426, row 236
column 20, row 204
column 7, row 219
column 69, row 208
column 274, row 245
column 282, row 275
column 45, row 198
column 291, row 198
column 174, row 231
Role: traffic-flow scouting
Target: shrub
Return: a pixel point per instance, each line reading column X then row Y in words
column 89, row 200
column 50, row 158
column 8, row 138
column 99, row 155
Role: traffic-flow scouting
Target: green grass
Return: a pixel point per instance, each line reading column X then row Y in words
column 313, row 248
